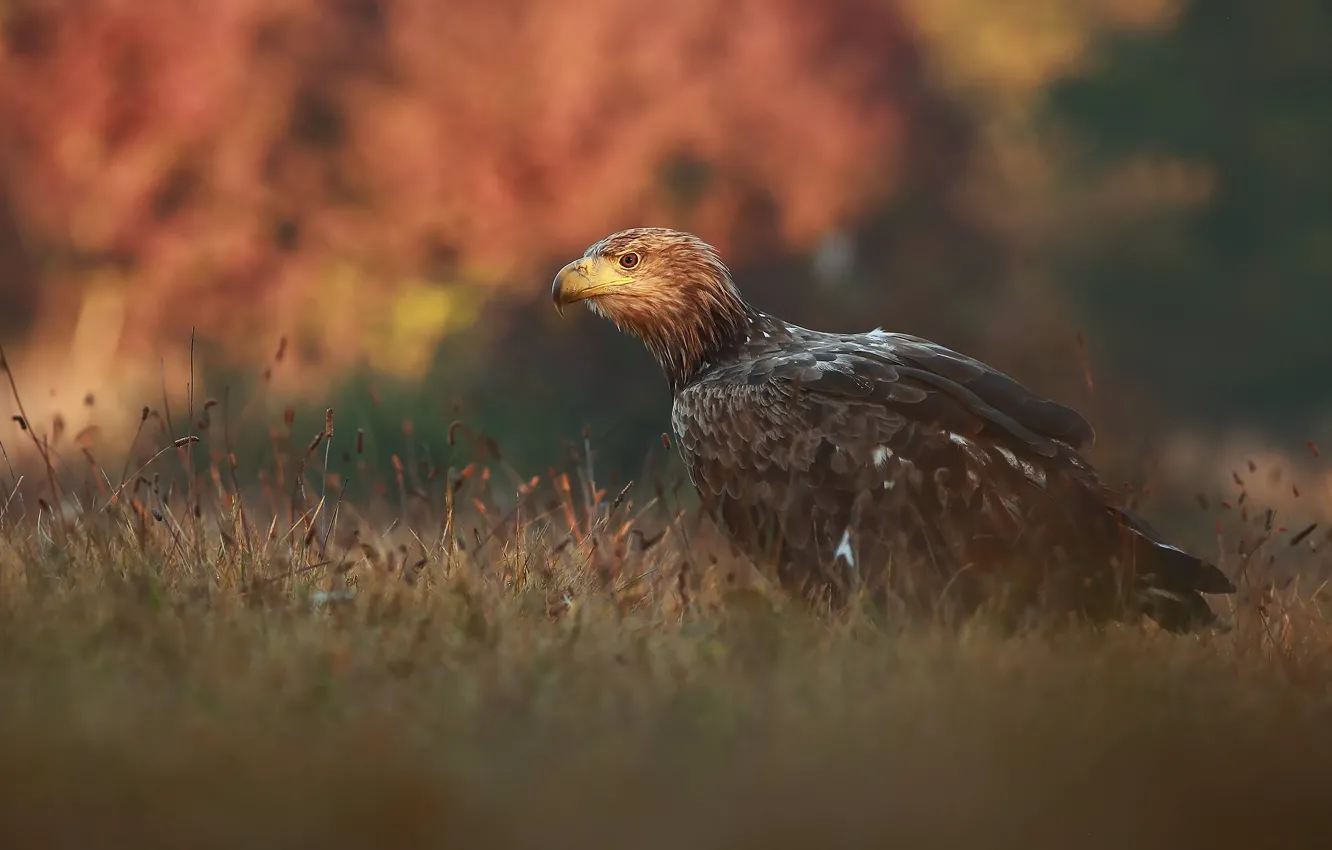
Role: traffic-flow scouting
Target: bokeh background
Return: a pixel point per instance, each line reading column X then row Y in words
column 1135, row 190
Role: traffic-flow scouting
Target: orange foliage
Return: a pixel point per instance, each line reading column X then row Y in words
column 216, row 163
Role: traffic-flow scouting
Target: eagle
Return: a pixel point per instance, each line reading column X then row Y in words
column 881, row 460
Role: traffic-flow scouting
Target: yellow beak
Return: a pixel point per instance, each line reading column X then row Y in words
column 585, row 278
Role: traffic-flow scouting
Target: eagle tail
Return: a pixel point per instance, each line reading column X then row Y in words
column 1171, row 581
column 1177, row 612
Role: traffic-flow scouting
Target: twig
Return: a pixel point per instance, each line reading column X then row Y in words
column 4, row 512
column 175, row 445
column 231, row 471
column 288, row 574
column 17, row 478
column 27, row 423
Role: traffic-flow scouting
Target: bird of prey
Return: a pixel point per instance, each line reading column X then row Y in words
column 848, row 458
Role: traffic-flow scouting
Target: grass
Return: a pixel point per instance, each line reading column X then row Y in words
column 188, row 660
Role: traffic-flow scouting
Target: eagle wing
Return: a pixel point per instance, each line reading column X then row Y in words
column 981, row 382
column 803, row 429
column 872, row 391
column 896, row 435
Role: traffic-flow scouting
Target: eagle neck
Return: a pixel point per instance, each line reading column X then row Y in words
column 691, row 347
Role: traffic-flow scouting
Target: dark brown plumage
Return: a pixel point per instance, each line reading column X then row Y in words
column 850, row 458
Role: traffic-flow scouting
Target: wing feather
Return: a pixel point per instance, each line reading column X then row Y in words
column 910, row 444
column 1001, row 392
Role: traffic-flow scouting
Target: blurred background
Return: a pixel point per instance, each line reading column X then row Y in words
column 1125, row 203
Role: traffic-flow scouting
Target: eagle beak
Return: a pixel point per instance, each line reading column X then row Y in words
column 582, row 279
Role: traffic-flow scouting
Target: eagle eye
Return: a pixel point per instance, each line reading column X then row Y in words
column 629, row 260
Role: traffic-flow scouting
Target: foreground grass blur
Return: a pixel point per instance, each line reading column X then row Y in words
column 184, row 665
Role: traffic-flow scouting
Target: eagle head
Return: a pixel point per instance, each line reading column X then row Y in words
column 668, row 288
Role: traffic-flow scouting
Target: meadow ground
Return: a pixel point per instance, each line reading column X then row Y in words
column 303, row 671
